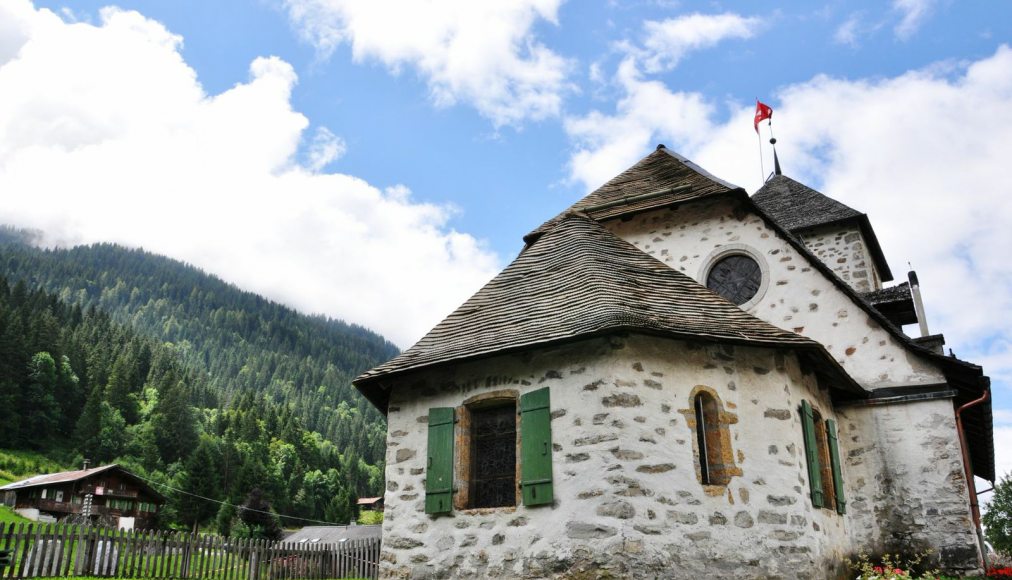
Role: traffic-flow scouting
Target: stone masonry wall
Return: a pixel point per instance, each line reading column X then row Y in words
column 845, row 250
column 628, row 499
column 906, row 469
column 797, row 297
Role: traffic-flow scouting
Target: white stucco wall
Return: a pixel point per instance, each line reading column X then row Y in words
column 796, row 297
column 627, row 498
column 844, row 249
column 906, row 472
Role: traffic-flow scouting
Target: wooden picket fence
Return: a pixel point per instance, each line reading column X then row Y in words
column 51, row 550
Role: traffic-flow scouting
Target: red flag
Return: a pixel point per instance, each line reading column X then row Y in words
column 762, row 112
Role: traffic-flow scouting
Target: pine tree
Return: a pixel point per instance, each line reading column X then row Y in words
column 200, row 484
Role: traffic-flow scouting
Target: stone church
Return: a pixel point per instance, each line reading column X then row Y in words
column 676, row 380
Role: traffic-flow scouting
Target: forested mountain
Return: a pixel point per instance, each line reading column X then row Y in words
column 102, row 344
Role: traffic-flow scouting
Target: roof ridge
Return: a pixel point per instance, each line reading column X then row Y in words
column 661, row 178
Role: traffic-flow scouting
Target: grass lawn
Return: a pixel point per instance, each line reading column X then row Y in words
column 8, row 516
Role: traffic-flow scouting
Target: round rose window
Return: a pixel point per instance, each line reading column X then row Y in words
column 736, row 278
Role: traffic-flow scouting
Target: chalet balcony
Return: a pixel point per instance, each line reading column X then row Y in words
column 59, row 507
column 107, row 491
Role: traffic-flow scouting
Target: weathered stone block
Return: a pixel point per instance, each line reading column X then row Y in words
column 620, row 509
column 621, row 400
column 770, row 517
column 743, row 520
column 401, row 543
column 588, row 531
column 660, row 468
column 781, row 414
column 626, row 454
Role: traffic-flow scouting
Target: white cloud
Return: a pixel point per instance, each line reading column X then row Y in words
column 325, row 148
column 847, row 32
column 925, row 154
column 913, row 13
column 608, row 144
column 106, row 135
column 668, row 41
column 482, row 53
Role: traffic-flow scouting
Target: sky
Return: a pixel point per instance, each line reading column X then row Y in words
column 379, row 161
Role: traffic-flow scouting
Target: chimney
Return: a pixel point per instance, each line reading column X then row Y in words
column 86, row 463
column 915, row 293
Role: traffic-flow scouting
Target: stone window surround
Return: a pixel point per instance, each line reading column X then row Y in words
column 724, row 420
column 462, row 450
column 737, row 249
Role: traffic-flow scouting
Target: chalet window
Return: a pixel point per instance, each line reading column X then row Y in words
column 712, row 438
column 822, row 455
column 494, row 456
column 486, row 466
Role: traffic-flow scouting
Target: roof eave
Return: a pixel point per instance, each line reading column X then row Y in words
column 374, row 388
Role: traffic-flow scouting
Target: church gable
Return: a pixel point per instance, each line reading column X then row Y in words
column 793, row 293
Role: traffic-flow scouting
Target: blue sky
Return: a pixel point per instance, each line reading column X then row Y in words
column 378, row 161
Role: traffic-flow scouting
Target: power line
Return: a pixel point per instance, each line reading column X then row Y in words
column 177, row 490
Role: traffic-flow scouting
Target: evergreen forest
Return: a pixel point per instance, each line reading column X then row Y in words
column 120, row 355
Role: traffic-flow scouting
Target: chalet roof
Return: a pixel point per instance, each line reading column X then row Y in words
column 54, row 478
column 579, row 280
column 797, row 208
column 659, row 179
column 78, row 475
column 334, row 534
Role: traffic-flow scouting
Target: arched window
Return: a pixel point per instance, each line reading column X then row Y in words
column 712, row 441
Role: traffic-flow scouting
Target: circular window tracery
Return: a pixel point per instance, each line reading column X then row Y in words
column 737, row 277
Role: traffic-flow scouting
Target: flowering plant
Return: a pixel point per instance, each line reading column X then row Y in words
column 892, row 567
column 1005, row 572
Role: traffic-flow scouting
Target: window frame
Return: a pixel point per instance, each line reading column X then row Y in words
column 738, row 249
column 464, row 453
column 822, row 458
column 718, row 445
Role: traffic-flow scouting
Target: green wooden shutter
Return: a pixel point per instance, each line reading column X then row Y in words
column 834, row 460
column 811, row 453
column 439, row 468
column 536, row 448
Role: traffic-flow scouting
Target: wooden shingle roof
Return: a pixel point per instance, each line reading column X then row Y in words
column 659, row 179
column 579, row 280
column 797, row 208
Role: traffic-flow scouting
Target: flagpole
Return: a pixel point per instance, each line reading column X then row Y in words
column 762, row 168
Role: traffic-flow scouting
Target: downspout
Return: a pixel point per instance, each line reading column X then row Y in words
column 968, row 472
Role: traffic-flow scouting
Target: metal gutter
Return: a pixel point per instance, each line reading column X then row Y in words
column 968, row 471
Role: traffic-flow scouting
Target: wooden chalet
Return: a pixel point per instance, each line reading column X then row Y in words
column 107, row 494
